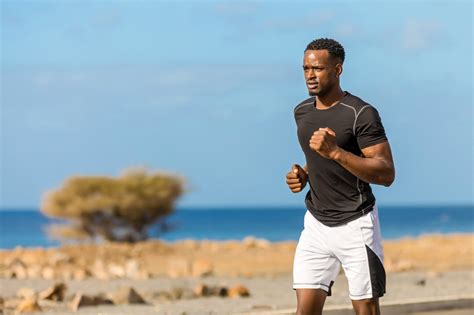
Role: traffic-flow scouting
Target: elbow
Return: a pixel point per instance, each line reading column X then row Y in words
column 389, row 179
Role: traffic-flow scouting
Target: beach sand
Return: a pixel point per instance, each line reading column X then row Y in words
column 428, row 268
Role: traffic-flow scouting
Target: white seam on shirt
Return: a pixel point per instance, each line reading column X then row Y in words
column 356, row 115
column 301, row 105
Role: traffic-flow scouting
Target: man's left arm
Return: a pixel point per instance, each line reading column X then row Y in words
column 375, row 166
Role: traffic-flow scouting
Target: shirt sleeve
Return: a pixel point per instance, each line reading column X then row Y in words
column 368, row 128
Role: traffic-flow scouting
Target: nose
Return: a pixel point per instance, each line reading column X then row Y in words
column 310, row 74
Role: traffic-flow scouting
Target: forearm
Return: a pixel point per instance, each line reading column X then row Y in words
column 371, row 170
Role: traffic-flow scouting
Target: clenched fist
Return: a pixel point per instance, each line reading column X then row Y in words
column 296, row 178
column 324, row 142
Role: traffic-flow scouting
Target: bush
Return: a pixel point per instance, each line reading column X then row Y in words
column 115, row 209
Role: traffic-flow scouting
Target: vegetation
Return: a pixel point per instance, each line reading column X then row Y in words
column 115, row 209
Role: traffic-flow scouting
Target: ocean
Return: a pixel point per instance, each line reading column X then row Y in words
column 27, row 228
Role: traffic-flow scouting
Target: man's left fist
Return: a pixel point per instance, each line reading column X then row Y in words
column 324, row 142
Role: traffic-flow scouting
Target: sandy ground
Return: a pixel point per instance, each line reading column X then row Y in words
column 429, row 267
column 267, row 293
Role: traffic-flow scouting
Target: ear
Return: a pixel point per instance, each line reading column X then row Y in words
column 338, row 70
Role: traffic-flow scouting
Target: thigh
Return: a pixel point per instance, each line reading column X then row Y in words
column 361, row 254
column 314, row 266
column 310, row 301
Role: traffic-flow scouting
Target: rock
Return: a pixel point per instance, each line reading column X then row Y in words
column 219, row 291
column 80, row 274
column 59, row 258
column 237, row 291
column 11, row 303
column 127, row 295
column 178, row 293
column 252, row 242
column 28, row 306
column 19, row 269
column 98, row 270
column 34, row 271
column 54, row 293
column 116, row 271
column 160, row 295
column 178, row 268
column 47, row 273
column 81, row 300
column 202, row 268
column 421, row 282
column 201, row 290
column 26, row 293
column 131, row 269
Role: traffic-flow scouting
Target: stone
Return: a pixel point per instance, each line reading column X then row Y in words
column 59, row 258
column 19, row 269
column 127, row 295
column 28, row 306
column 98, row 270
column 178, row 268
column 202, row 268
column 237, row 291
column 47, row 273
column 116, row 271
column 80, row 274
column 201, row 290
column 54, row 293
column 178, row 293
column 81, row 300
column 26, row 293
column 219, row 291
column 34, row 271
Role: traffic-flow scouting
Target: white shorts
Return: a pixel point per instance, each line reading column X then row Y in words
column 357, row 245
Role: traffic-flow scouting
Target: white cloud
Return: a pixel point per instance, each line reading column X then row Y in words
column 419, row 34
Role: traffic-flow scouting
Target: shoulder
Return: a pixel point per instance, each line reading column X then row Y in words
column 357, row 105
column 303, row 104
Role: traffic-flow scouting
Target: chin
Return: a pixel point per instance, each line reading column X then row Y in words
column 313, row 92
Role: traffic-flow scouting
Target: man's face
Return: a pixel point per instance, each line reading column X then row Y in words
column 321, row 72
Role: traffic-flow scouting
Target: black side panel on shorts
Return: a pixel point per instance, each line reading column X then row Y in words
column 377, row 273
column 329, row 289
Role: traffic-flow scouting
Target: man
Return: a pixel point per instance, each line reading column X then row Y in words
column 346, row 148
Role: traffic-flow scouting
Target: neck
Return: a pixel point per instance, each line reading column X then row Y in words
column 330, row 98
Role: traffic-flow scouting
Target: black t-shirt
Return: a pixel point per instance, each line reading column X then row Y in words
column 336, row 196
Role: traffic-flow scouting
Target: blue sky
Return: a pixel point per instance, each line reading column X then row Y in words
column 206, row 89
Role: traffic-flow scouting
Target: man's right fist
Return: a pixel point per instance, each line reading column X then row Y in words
column 296, row 178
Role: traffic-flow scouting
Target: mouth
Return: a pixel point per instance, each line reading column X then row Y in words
column 311, row 85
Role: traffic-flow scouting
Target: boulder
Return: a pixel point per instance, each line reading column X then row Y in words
column 19, row 269
column 54, row 293
column 81, row 300
column 48, row 273
column 178, row 293
column 237, row 291
column 26, row 293
column 201, row 290
column 178, row 268
column 202, row 268
column 127, row 295
column 28, row 305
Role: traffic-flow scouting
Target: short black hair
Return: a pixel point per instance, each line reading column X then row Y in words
column 333, row 47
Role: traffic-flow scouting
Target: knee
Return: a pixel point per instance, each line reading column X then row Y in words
column 308, row 311
column 367, row 307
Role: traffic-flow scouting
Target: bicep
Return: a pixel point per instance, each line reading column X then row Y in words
column 380, row 151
